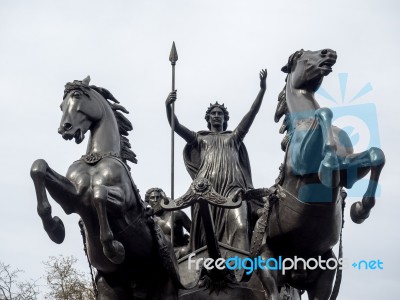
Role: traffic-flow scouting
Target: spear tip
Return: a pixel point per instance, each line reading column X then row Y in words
column 173, row 56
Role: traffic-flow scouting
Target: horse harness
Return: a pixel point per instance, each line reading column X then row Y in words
column 162, row 247
column 277, row 193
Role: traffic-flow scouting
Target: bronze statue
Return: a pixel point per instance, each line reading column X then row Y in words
column 128, row 243
column 126, row 246
column 153, row 197
column 304, row 214
column 221, row 157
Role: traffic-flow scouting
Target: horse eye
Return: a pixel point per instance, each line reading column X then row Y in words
column 76, row 94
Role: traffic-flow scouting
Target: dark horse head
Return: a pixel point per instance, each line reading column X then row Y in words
column 85, row 105
column 308, row 68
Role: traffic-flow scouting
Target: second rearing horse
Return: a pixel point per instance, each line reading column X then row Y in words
column 125, row 245
column 304, row 215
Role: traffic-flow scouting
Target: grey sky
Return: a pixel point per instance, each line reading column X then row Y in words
column 222, row 45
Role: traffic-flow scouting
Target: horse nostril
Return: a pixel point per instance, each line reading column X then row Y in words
column 324, row 52
column 67, row 126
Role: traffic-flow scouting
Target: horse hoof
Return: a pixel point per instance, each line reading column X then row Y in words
column 357, row 213
column 117, row 255
column 55, row 230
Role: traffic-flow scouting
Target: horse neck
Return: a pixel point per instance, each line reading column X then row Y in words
column 301, row 103
column 104, row 137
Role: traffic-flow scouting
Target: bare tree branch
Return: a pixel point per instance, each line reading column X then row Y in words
column 65, row 281
column 13, row 289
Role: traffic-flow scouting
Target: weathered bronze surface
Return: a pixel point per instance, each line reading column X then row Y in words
column 301, row 214
column 179, row 222
column 304, row 214
column 221, row 157
column 127, row 247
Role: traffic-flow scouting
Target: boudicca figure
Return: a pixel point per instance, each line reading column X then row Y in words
column 221, row 157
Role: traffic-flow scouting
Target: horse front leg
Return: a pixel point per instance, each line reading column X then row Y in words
column 373, row 160
column 61, row 190
column 321, row 287
column 268, row 277
column 328, row 172
column 112, row 249
column 269, row 283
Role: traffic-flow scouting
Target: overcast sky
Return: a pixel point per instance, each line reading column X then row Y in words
column 222, row 45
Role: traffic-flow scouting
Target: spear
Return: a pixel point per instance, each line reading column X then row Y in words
column 173, row 57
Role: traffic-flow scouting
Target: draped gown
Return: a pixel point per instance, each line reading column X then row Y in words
column 222, row 158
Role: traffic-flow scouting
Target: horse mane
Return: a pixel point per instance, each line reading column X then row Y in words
column 282, row 110
column 124, row 125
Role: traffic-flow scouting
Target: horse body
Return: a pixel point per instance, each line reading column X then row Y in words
column 111, row 174
column 304, row 194
column 289, row 234
column 305, row 213
column 122, row 241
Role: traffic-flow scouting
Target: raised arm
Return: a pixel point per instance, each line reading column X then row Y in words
column 188, row 135
column 248, row 119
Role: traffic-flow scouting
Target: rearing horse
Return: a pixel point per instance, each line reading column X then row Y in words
column 125, row 245
column 304, row 214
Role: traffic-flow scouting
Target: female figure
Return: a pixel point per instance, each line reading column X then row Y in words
column 221, row 157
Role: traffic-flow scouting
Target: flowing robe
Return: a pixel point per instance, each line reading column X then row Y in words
column 222, row 158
